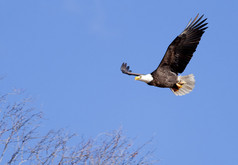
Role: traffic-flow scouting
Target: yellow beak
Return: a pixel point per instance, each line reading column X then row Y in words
column 137, row 78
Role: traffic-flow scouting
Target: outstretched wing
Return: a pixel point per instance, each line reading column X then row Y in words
column 181, row 50
column 126, row 70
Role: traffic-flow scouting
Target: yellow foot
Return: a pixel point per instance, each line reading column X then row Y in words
column 179, row 85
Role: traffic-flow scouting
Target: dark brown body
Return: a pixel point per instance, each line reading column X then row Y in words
column 164, row 78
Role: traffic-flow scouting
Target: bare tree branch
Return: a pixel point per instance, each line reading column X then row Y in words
column 20, row 141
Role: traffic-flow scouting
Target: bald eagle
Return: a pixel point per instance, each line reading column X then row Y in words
column 175, row 60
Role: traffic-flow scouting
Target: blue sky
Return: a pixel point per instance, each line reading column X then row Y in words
column 67, row 55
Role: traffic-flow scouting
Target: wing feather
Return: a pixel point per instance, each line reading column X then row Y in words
column 181, row 50
column 126, row 70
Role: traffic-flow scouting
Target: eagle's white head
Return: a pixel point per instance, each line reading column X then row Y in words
column 146, row 78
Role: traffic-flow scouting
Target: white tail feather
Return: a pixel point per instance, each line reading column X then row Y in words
column 188, row 83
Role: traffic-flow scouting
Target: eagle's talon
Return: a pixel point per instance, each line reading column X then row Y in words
column 179, row 85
